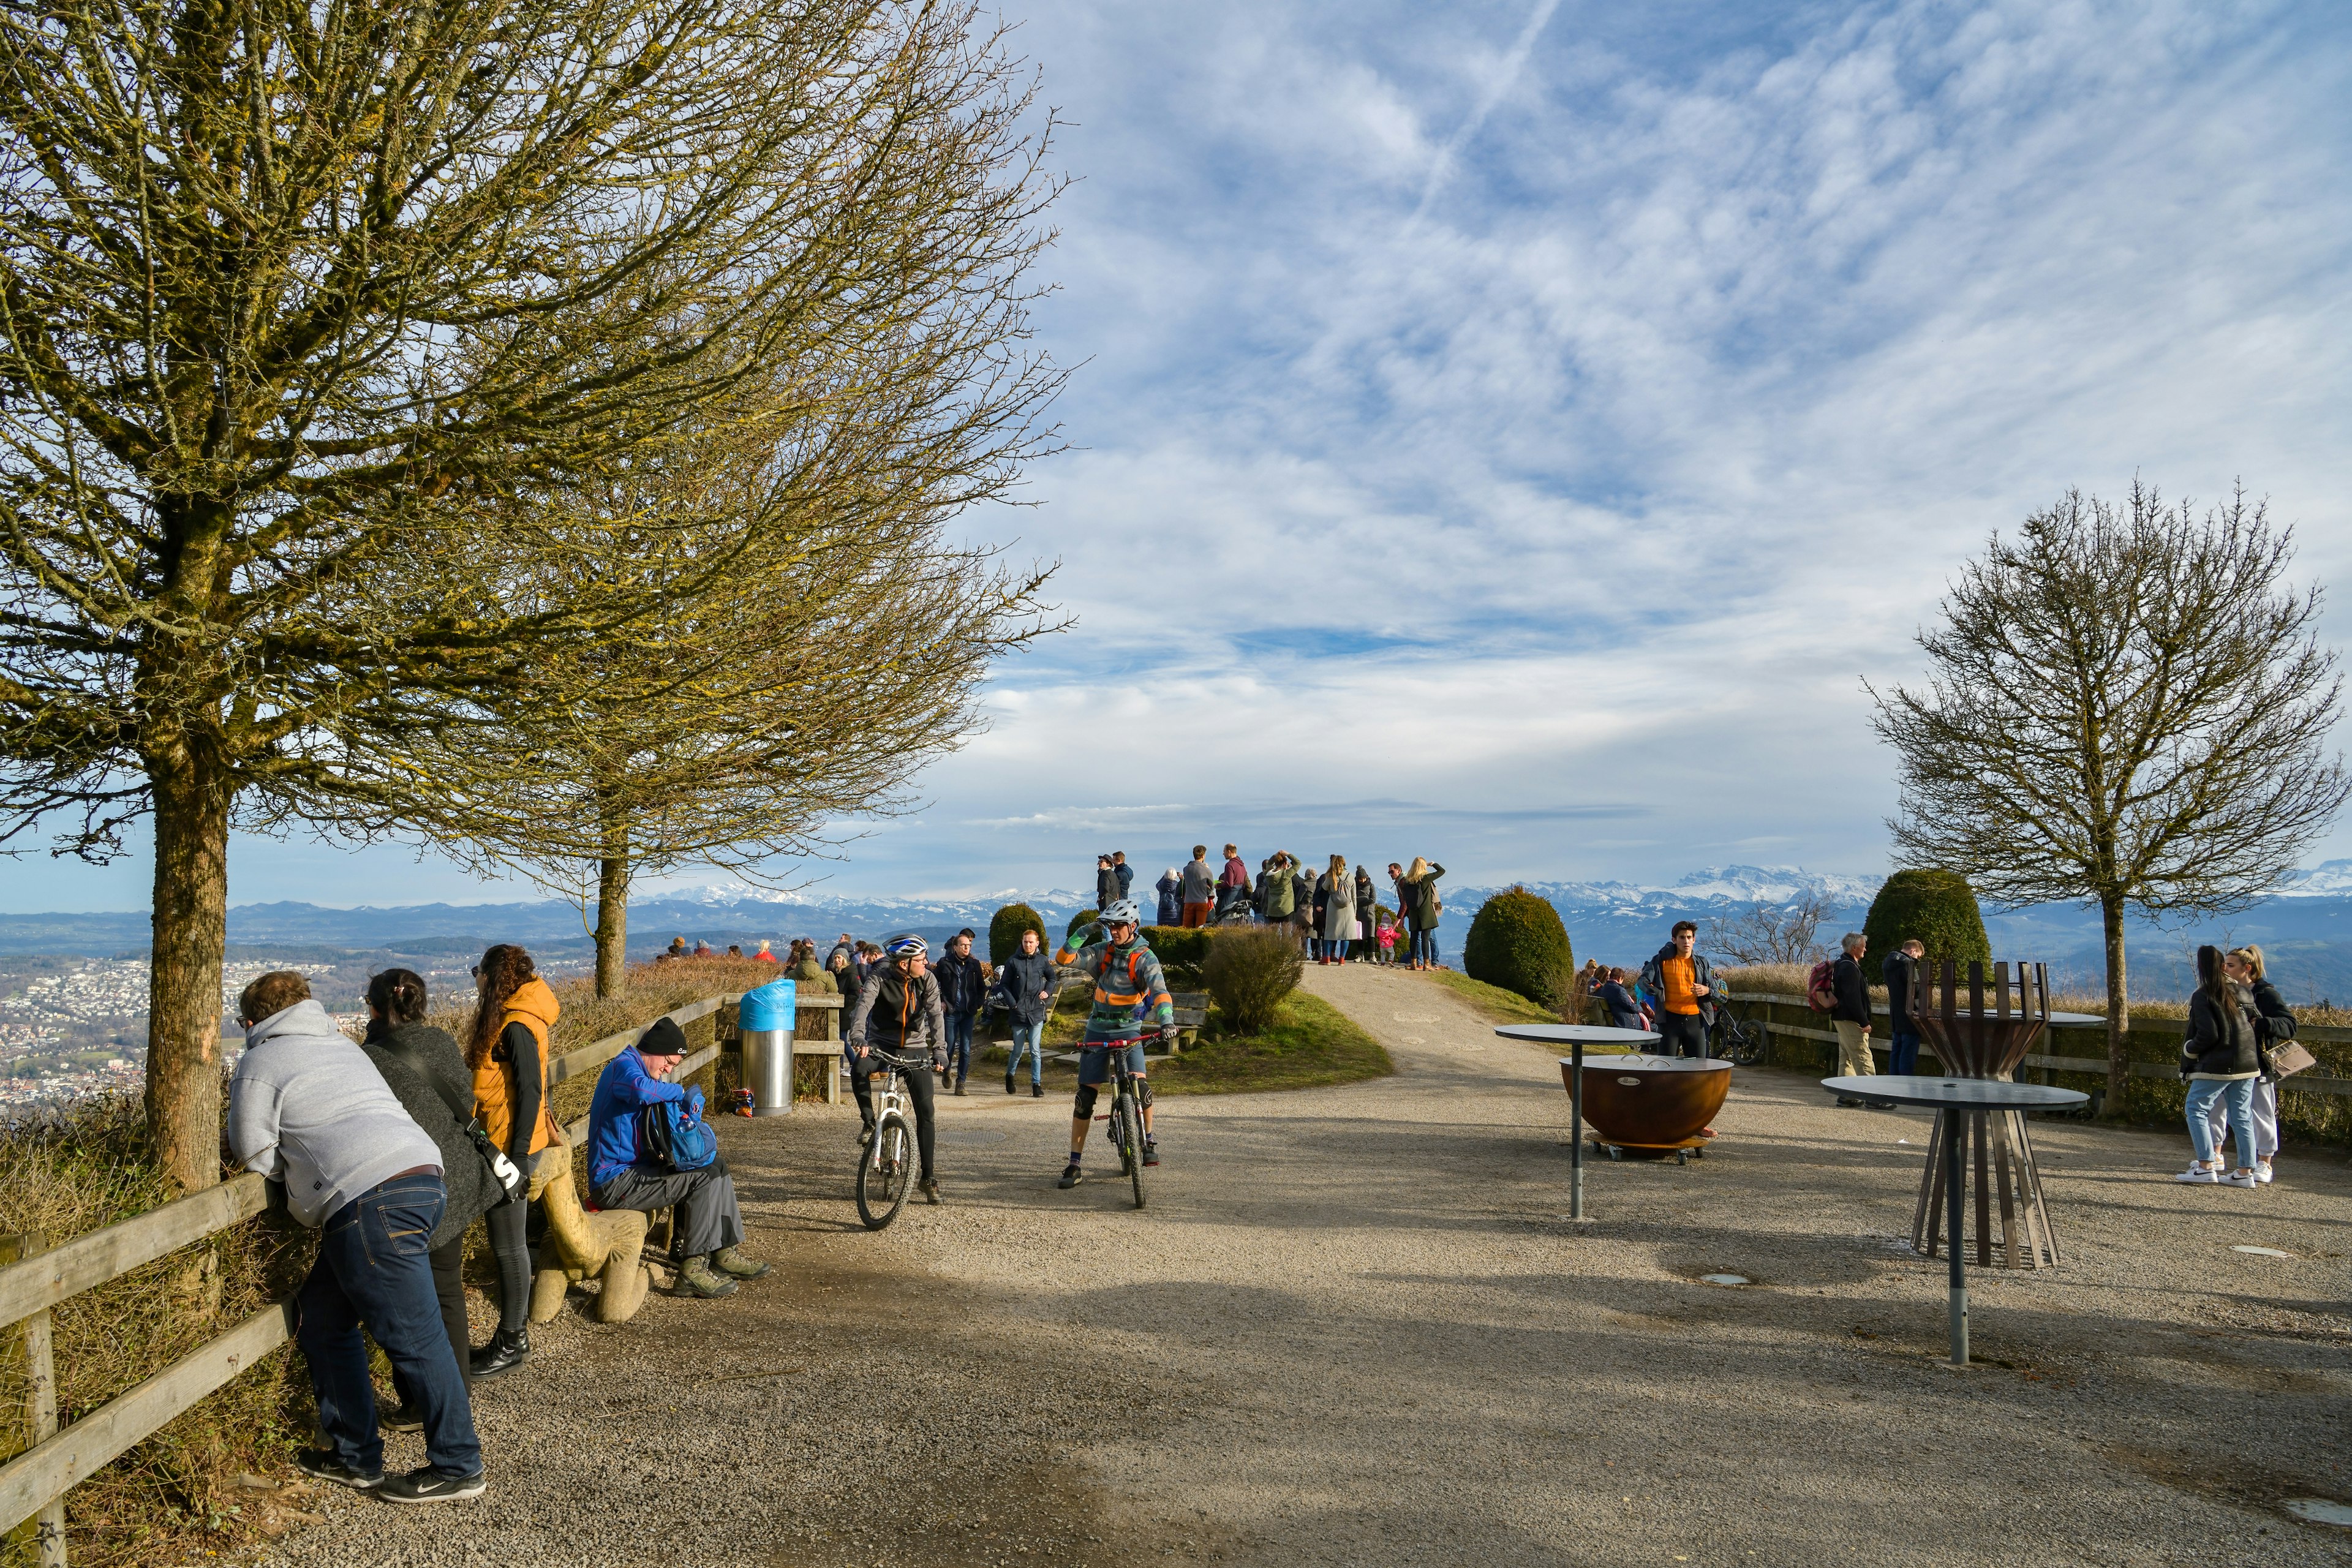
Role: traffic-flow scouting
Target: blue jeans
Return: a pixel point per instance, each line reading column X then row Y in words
column 2238, row 1096
column 959, row 1044
column 1425, row 946
column 373, row 1269
column 1032, row 1038
column 1904, row 1055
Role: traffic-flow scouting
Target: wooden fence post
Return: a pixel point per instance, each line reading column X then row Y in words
column 28, row 1344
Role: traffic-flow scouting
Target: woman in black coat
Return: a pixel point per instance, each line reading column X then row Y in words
column 1368, row 905
column 2273, row 1026
column 426, row 1070
column 2220, row 1060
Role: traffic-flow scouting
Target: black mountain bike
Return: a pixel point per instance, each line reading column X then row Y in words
column 1126, row 1120
column 886, row 1167
column 1734, row 1040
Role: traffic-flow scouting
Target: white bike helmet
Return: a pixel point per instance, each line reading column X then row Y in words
column 1123, row 913
column 907, row 945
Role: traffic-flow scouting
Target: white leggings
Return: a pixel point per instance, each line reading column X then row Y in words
column 2265, row 1123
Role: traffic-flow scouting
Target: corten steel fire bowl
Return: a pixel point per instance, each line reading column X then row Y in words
column 1654, row 1102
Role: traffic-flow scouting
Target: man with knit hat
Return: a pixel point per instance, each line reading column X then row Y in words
column 706, row 1224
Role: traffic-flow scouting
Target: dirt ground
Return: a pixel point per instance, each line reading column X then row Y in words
column 1355, row 1326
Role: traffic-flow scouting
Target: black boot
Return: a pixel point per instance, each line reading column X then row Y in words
column 1008, row 1082
column 507, row 1349
column 959, row 1085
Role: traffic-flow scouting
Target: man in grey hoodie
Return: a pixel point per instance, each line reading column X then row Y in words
column 308, row 1108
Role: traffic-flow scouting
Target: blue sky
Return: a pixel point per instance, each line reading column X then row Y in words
column 1511, row 432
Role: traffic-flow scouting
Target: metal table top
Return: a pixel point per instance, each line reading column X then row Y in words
column 1955, row 1093
column 1577, row 1035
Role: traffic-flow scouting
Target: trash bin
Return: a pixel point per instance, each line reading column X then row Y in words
column 764, row 1020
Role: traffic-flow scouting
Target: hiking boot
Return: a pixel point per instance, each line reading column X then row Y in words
column 930, row 1187
column 1037, row 1092
column 1151, row 1153
column 730, row 1260
column 1008, row 1083
column 400, row 1418
column 1071, row 1175
column 321, row 1464
column 425, row 1484
column 505, row 1351
column 959, row 1088
column 697, row 1280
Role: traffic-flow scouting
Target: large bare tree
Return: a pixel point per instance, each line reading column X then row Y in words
column 297, row 303
column 2128, row 707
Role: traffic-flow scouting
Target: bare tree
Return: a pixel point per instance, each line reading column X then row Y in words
column 297, row 303
column 1771, row 933
column 2127, row 707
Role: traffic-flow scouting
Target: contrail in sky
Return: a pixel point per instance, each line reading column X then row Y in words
column 1521, row 49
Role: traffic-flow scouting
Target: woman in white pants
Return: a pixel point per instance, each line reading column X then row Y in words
column 2275, row 1025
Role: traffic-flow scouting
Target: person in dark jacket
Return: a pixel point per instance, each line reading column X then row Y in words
column 1419, row 888
column 898, row 1011
column 1122, row 874
column 1170, row 888
column 425, row 1071
column 1617, row 996
column 1233, row 882
column 1303, row 913
column 1901, row 971
column 1679, row 975
column 1024, row 988
column 2273, row 1026
column 964, row 993
column 1850, row 1016
column 2221, row 1060
column 1368, row 905
column 1105, row 883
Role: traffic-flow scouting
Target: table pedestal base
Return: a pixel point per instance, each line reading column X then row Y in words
column 1995, row 1146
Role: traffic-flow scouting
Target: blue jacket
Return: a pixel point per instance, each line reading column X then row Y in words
column 623, row 1088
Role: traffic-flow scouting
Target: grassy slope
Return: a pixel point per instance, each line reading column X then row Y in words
column 1311, row 1045
column 1492, row 1000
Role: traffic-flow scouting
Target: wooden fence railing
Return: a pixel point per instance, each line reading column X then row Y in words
column 36, row 1279
column 2077, row 1047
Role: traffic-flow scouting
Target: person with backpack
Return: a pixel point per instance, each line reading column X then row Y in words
column 1276, row 895
column 1131, row 993
column 1686, row 990
column 1902, row 974
column 628, row 1168
column 1848, row 997
column 314, row 1116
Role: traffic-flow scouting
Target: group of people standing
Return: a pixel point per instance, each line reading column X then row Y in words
column 391, row 1147
column 1337, row 912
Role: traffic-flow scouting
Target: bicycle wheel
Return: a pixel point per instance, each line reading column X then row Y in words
column 1131, row 1115
column 887, row 1172
column 1743, row 1043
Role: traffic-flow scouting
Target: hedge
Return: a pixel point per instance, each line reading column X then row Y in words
column 1005, row 929
column 1936, row 906
column 1516, row 942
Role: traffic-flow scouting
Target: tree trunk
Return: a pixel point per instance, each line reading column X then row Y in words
column 183, row 978
column 2111, row 914
column 613, row 923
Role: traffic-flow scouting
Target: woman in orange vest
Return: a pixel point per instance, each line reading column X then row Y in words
column 513, row 1020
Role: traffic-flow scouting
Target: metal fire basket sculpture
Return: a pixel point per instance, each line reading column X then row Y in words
column 1978, row 1036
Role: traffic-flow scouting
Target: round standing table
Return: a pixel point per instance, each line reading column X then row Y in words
column 1952, row 1099
column 1576, row 1036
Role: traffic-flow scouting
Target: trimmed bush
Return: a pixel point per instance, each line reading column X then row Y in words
column 1939, row 908
column 1180, row 946
column 1516, row 942
column 1079, row 922
column 1248, row 972
column 1005, row 929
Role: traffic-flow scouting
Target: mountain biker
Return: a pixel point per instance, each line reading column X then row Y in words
column 897, row 1010
column 1127, row 985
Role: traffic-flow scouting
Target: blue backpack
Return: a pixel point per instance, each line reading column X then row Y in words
column 674, row 1133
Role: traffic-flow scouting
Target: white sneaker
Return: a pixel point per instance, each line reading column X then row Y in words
column 2198, row 1174
column 2262, row 1173
column 2245, row 1179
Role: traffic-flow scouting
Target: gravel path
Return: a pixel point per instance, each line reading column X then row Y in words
column 1354, row 1327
